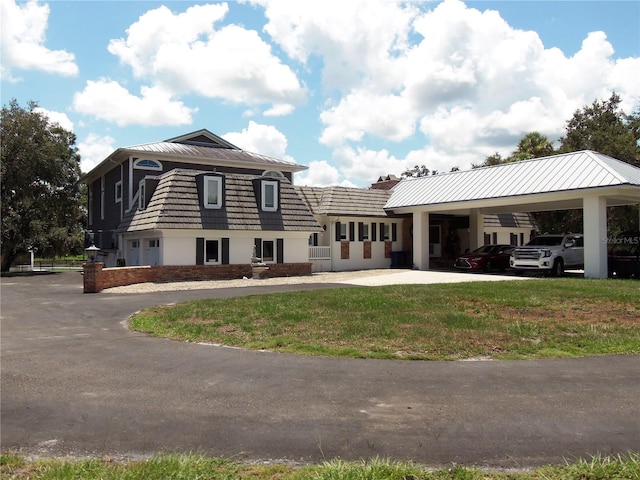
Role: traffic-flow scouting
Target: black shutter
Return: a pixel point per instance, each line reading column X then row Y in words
column 225, row 251
column 280, row 250
column 394, row 232
column 373, row 232
column 258, row 244
column 360, row 231
column 338, row 228
column 352, row 231
column 199, row 251
column 382, row 232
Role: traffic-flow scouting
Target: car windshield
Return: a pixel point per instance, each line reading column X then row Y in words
column 548, row 241
column 485, row 249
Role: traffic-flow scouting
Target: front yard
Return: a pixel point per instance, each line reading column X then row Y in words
column 489, row 320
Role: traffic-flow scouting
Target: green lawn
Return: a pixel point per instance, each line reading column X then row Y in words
column 502, row 320
column 179, row 467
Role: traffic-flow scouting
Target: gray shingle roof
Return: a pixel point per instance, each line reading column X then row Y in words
column 571, row 171
column 175, row 204
column 356, row 202
column 207, row 153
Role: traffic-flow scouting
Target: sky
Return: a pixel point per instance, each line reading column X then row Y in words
column 352, row 89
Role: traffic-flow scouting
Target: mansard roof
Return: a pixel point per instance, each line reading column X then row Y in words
column 337, row 201
column 176, row 204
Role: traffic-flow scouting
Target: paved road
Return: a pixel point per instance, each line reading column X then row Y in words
column 75, row 381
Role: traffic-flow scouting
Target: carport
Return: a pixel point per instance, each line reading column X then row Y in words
column 585, row 179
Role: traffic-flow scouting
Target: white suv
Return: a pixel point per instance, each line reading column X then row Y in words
column 549, row 253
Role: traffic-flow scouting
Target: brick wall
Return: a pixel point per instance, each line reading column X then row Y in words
column 97, row 278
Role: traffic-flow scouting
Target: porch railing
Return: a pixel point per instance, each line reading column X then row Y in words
column 319, row 253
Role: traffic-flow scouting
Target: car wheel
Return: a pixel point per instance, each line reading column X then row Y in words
column 488, row 266
column 558, row 268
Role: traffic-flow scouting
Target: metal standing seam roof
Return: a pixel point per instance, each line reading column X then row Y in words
column 571, row 171
column 345, row 201
column 175, row 204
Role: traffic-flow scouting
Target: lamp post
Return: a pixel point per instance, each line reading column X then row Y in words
column 92, row 253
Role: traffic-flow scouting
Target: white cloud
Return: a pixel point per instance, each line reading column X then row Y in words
column 94, row 149
column 56, row 117
column 185, row 54
column 23, row 41
column 108, row 100
column 263, row 139
column 355, row 38
column 471, row 82
column 320, row 174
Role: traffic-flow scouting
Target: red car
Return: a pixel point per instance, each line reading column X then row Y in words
column 485, row 258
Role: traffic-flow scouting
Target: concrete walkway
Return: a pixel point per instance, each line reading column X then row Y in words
column 75, row 381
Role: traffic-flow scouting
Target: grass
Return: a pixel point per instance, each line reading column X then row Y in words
column 502, row 320
column 178, row 467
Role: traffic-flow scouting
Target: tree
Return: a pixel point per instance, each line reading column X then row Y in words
column 40, row 188
column 533, row 145
column 605, row 128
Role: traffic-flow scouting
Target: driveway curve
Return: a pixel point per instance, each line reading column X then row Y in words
column 75, row 381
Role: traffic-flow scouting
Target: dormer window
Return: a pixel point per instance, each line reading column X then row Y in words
column 212, row 192
column 269, row 195
column 273, row 173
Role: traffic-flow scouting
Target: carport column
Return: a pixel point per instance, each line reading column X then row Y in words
column 421, row 240
column 476, row 225
column 595, row 237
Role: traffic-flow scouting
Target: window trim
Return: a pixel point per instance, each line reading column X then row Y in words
column 102, row 189
column 273, row 257
column 265, row 186
column 219, row 187
column 138, row 164
column 141, row 194
column 218, row 254
column 117, row 191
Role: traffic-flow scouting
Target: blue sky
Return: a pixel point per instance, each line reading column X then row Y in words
column 353, row 89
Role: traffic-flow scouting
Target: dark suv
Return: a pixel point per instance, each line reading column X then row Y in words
column 624, row 255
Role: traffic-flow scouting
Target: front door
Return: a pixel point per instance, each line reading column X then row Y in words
column 153, row 251
column 134, row 252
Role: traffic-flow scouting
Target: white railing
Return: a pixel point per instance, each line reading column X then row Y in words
column 319, row 253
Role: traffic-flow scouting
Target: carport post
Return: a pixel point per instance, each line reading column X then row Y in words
column 476, row 227
column 595, row 237
column 421, row 240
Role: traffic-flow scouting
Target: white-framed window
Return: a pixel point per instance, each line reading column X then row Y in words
column 365, row 231
column 154, row 243
column 386, row 232
column 118, row 191
column 268, row 252
column 141, row 195
column 213, row 192
column 269, row 196
column 211, row 252
column 135, row 243
column 147, row 164
column 343, row 231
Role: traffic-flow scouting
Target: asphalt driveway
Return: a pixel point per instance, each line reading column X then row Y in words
column 76, row 381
